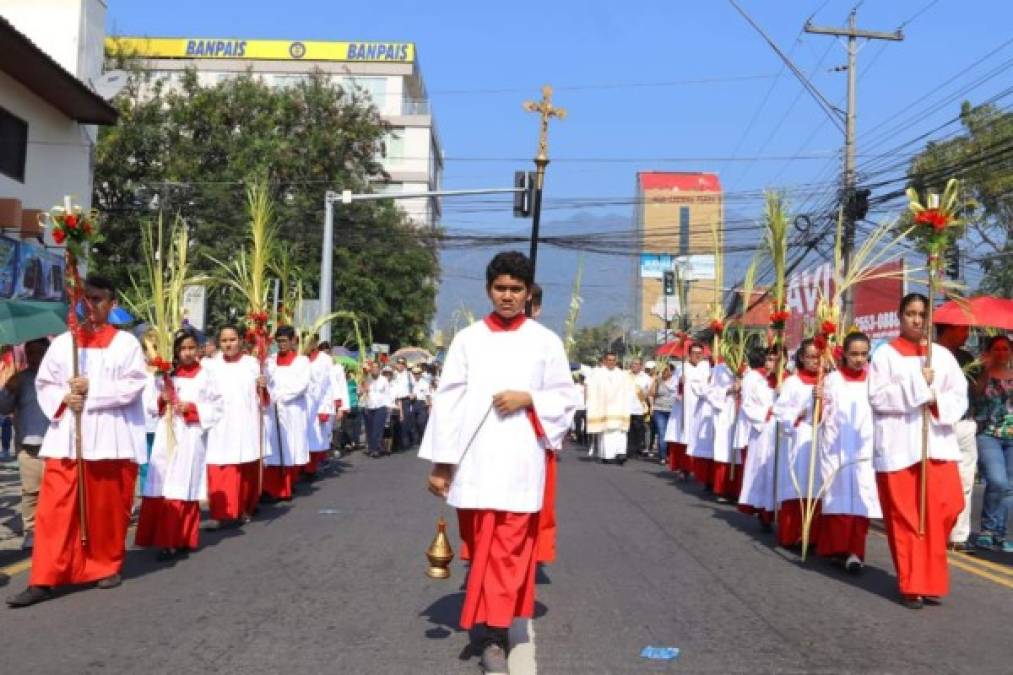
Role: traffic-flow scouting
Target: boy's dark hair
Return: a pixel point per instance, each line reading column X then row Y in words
column 536, row 295
column 101, row 283
column 510, row 263
column 285, row 331
column 757, row 357
column 324, row 346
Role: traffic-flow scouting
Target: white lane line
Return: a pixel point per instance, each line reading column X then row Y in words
column 522, row 648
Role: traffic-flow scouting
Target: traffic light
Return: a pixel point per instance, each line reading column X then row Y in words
column 856, row 204
column 668, row 280
column 525, row 180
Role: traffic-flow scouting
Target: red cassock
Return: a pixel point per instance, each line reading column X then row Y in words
column 59, row 556
column 789, row 523
column 232, row 490
column 703, row 470
column 547, row 516
column 842, row 535
column 676, row 456
column 724, row 486
column 279, row 480
column 921, row 560
column 168, row 523
column 501, row 580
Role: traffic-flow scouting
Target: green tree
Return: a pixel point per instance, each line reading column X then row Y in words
column 591, row 342
column 981, row 159
column 188, row 148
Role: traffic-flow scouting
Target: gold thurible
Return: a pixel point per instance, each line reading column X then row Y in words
column 439, row 553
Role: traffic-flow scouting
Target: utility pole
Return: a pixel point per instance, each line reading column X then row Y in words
column 853, row 33
column 546, row 111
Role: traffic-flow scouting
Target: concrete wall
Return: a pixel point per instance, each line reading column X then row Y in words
column 59, row 152
column 72, row 32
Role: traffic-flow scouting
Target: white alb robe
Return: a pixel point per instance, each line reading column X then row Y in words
column 897, row 392
column 112, row 422
column 235, row 439
column 674, row 432
column 500, row 461
column 740, row 429
column 793, row 411
column 846, row 456
column 290, row 406
column 758, row 472
column 179, row 472
column 610, row 396
column 699, row 443
column 321, row 402
column 720, row 410
column 339, row 388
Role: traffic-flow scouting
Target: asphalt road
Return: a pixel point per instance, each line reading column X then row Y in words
column 334, row 583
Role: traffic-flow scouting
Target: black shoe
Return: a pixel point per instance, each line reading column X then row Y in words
column 30, row 596
column 933, row 600
column 111, row 581
column 165, row 555
column 268, row 499
column 912, row 601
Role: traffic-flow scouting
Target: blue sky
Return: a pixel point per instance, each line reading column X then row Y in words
column 644, row 84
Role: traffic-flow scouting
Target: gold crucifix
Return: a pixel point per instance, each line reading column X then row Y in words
column 546, row 110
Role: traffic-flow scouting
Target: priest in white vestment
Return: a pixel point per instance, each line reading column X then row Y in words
column 610, row 393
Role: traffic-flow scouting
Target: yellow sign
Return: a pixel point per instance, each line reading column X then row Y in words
column 269, row 50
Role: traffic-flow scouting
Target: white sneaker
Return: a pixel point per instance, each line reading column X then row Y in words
column 853, row 565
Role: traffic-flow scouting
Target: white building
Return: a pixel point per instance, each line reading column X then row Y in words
column 388, row 72
column 49, row 54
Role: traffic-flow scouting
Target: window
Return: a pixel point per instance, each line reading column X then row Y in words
column 683, row 230
column 13, row 146
column 374, row 87
column 393, row 148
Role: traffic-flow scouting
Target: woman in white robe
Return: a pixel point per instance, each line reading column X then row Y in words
column 289, row 414
column 901, row 388
column 757, row 495
column 850, row 498
column 176, row 479
column 235, row 444
column 794, row 413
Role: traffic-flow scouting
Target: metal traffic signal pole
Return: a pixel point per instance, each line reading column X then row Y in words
column 852, row 32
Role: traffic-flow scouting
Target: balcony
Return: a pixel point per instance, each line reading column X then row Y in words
column 415, row 106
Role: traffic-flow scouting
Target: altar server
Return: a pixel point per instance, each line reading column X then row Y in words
column 504, row 397
column 289, row 415
column 758, row 393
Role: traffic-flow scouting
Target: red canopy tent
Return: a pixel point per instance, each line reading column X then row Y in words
column 674, row 349
column 983, row 311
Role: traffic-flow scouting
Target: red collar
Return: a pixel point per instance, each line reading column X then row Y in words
column 807, row 378
column 314, row 354
column 187, row 371
column 232, row 359
column 96, row 339
column 498, row 324
column 761, row 371
column 287, row 358
column 906, row 347
column 853, row 375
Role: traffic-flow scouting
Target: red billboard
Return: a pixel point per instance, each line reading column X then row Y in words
column 876, row 300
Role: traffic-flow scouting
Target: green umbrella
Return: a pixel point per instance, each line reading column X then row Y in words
column 21, row 321
column 346, row 361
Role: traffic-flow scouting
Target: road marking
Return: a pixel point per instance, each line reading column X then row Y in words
column 17, row 568
column 522, row 651
column 964, row 562
column 995, row 567
column 981, row 573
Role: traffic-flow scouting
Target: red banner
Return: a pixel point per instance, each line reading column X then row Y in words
column 876, row 300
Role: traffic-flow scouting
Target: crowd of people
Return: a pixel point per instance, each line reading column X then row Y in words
column 750, row 437
column 216, row 428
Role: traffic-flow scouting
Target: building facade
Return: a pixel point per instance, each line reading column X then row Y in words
column 387, row 72
column 676, row 213
column 50, row 54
